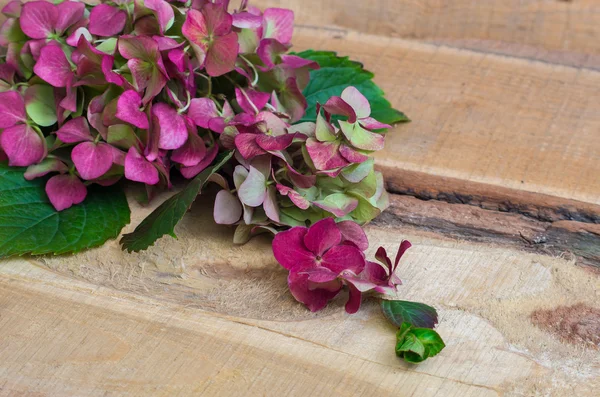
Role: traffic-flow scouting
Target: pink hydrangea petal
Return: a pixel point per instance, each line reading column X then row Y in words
column 218, row 20
column 138, row 47
column 12, row 9
column 375, row 273
column 69, row 13
column 251, row 101
column 48, row 165
column 270, row 204
column 289, row 250
column 173, row 131
column 69, row 102
column 315, row 299
column 352, row 155
column 269, row 143
column 38, row 19
column 65, row 191
column 192, row 152
column 22, row 145
column 274, row 124
column 296, row 198
column 381, row 256
column 336, row 105
column 110, row 75
column 202, row 110
column 92, row 160
column 53, row 66
column 74, row 131
column 291, row 101
column 268, row 50
column 128, row 109
column 138, row 169
column 12, row 109
column 247, row 146
column 353, row 233
column 357, row 101
column 296, row 62
column 322, row 235
column 246, row 20
column 404, row 246
column 222, row 55
column 320, row 275
column 106, row 20
column 74, row 38
column 190, row 172
column 372, row 124
column 344, row 257
column 339, row 204
column 325, row 155
column 196, row 31
column 278, row 24
column 354, row 299
column 228, row 209
column 178, row 57
column 300, row 180
column 163, row 11
column 361, row 138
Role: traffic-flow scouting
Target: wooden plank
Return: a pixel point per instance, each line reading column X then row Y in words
column 171, row 321
column 557, row 31
column 522, row 125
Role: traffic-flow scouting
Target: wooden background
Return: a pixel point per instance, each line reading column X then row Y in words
column 495, row 182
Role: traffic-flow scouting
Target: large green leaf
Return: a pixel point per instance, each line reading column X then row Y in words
column 336, row 74
column 163, row 220
column 415, row 313
column 29, row 224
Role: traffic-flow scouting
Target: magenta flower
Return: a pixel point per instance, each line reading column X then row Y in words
column 317, row 258
column 106, row 20
column 210, row 35
column 65, row 190
column 44, row 20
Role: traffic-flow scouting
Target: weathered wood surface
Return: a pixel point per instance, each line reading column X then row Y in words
column 497, row 189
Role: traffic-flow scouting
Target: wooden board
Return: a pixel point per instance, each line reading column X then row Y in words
column 497, row 188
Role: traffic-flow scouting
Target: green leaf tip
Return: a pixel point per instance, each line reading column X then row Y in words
column 415, row 345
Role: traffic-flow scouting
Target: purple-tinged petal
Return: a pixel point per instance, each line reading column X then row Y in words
column 106, row 20
column 246, row 20
column 344, row 257
column 274, row 124
column 22, row 145
column 375, row 273
column 163, row 11
column 251, row 101
column 218, row 20
column 192, row 152
column 12, row 109
column 178, row 57
column 354, row 299
column 38, row 19
column 296, row 62
column 361, row 138
column 339, row 204
column 372, row 124
column 138, row 169
column 320, row 275
column 247, row 146
column 296, row 198
column 381, row 256
column 353, row 233
column 268, row 51
column 12, row 9
column 69, row 13
column 291, row 101
column 404, row 246
column 53, row 66
column 190, row 172
column 336, row 105
column 290, row 251
column 48, row 165
column 222, row 55
column 270, row 143
column 173, row 132
column 254, row 189
column 270, row 204
column 325, row 155
column 357, row 101
column 361, row 283
column 202, row 110
column 110, row 75
column 74, row 38
column 74, row 131
column 322, row 235
column 196, row 31
column 92, row 160
column 278, row 24
column 65, row 191
column 147, row 76
column 138, row 47
column 228, row 209
column 128, row 109
column 69, row 102
column 315, row 299
column 352, row 155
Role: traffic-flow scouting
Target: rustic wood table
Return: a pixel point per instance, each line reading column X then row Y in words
column 496, row 183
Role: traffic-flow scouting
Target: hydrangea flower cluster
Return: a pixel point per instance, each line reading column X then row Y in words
column 329, row 256
column 137, row 89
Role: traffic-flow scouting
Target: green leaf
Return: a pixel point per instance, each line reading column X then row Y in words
column 40, row 105
column 29, row 224
column 415, row 345
column 336, row 74
column 162, row 220
column 415, row 313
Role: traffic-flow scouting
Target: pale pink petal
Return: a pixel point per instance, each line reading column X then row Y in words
column 246, row 20
column 53, row 66
column 65, row 191
column 353, row 233
column 74, row 131
column 290, row 251
column 38, row 19
column 69, row 13
column 23, row 145
column 163, row 11
column 321, row 236
column 228, row 209
column 12, row 109
column 128, row 109
column 106, row 20
column 278, row 24
column 251, row 101
column 202, row 110
column 222, row 55
column 315, row 299
column 254, row 189
column 270, row 204
column 173, row 132
column 357, row 101
column 138, row 169
column 344, row 257
column 352, row 155
column 372, row 124
column 268, row 51
column 92, row 160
